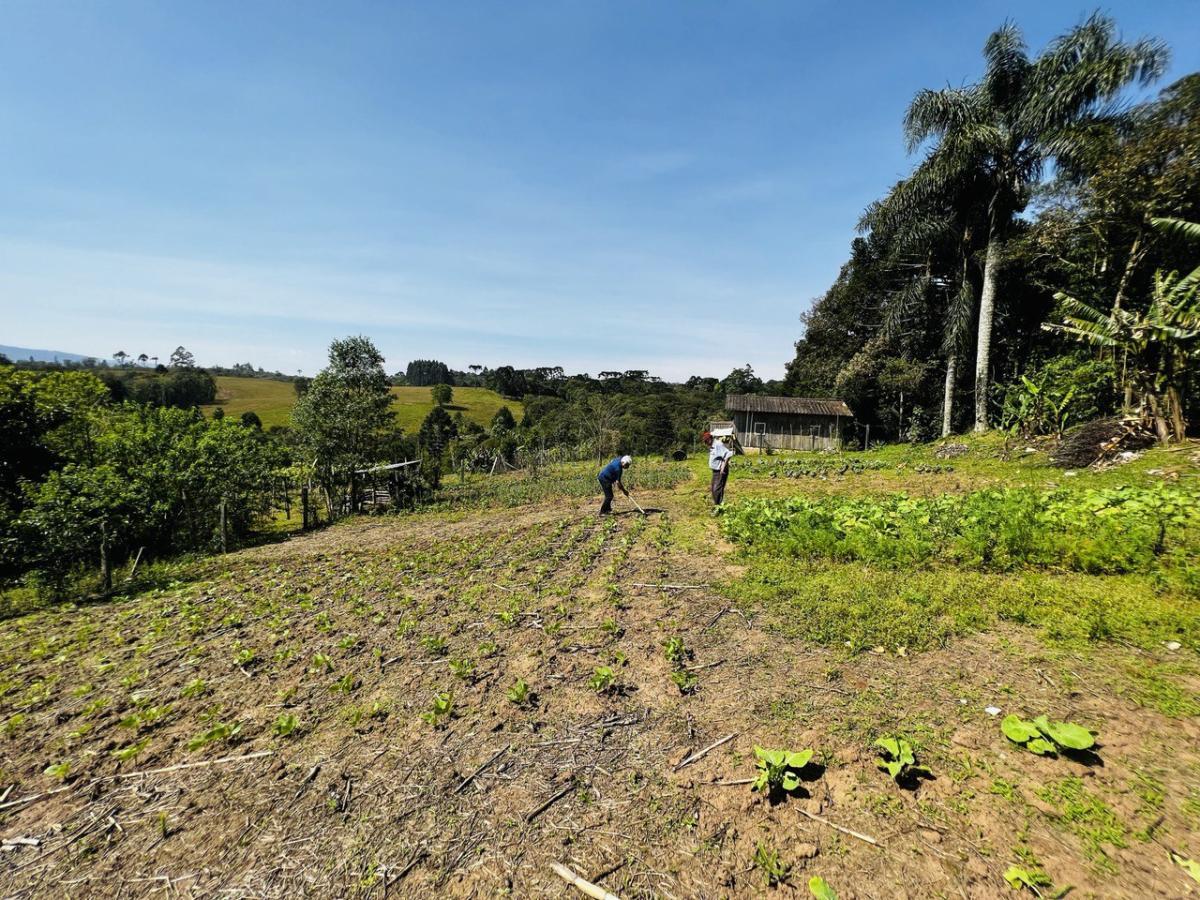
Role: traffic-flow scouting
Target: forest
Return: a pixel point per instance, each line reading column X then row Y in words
column 1037, row 268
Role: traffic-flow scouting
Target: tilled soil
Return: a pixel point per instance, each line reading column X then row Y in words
column 185, row 779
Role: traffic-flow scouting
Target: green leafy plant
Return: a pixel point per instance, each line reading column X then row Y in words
column 441, row 709
column 61, row 771
column 486, row 649
column 898, row 759
column 684, row 680
column 222, row 731
column 321, row 664
column 1188, row 865
column 1034, row 879
column 285, row 725
column 676, row 652
column 124, row 754
column 518, row 693
column 345, row 685
column 463, row 668
column 1043, row 737
column 194, row 689
column 434, row 644
column 245, row 656
column 775, row 870
column 820, row 889
column 602, row 680
column 779, row 769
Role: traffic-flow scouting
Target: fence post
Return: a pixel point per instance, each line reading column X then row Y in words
column 222, row 524
column 304, row 507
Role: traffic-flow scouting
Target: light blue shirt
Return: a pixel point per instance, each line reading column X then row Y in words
column 717, row 455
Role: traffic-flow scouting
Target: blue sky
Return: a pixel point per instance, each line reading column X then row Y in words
column 599, row 185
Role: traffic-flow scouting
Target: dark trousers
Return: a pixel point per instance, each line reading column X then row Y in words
column 720, row 476
column 606, row 506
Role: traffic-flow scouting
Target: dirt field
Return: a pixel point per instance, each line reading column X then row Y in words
column 266, row 728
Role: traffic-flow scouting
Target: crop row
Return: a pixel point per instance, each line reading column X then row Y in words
column 1103, row 531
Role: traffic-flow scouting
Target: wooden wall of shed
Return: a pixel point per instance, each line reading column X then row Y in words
column 791, row 432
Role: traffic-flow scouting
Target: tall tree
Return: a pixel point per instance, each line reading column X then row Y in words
column 181, row 358
column 343, row 419
column 1021, row 115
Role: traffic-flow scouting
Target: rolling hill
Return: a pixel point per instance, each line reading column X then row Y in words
column 272, row 401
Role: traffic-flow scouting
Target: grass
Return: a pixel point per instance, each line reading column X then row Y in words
column 272, row 401
column 1089, row 818
column 849, row 560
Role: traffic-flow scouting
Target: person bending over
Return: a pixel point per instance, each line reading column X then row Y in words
column 610, row 475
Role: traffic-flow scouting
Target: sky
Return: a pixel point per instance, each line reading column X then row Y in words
column 597, row 185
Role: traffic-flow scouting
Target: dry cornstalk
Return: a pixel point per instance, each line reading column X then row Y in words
column 471, row 777
column 592, row 890
column 700, row 754
column 841, row 828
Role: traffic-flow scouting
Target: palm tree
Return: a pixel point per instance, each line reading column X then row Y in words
column 143, row 359
column 1159, row 343
column 120, row 356
column 919, row 224
column 1021, row 115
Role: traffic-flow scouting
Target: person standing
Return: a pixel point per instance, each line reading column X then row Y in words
column 719, row 456
column 611, row 475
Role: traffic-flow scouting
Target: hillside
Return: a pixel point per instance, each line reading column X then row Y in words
column 273, row 400
column 445, row 703
column 26, row 353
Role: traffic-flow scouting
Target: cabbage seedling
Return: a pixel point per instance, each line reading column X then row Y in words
column 779, row 768
column 602, row 679
column 441, row 708
column 518, row 693
column 1043, row 737
column 898, row 759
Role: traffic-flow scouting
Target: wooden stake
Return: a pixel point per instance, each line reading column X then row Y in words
column 592, row 890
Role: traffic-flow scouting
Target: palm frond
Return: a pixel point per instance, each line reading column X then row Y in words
column 935, row 113
column 1082, row 69
column 960, row 315
column 1178, row 227
column 900, row 305
column 1007, row 65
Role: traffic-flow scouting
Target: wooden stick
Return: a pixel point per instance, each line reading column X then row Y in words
column 731, row 783
column 842, row 829
column 700, row 754
column 545, row 806
column 669, row 587
column 705, row 666
column 592, row 890
column 471, row 777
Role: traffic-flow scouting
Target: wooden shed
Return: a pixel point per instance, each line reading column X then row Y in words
column 789, row 423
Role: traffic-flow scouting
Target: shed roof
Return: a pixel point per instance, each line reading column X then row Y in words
column 798, row 406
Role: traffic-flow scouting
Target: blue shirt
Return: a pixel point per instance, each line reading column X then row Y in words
column 717, row 455
column 611, row 473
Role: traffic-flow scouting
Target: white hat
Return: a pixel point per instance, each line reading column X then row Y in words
column 626, row 460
